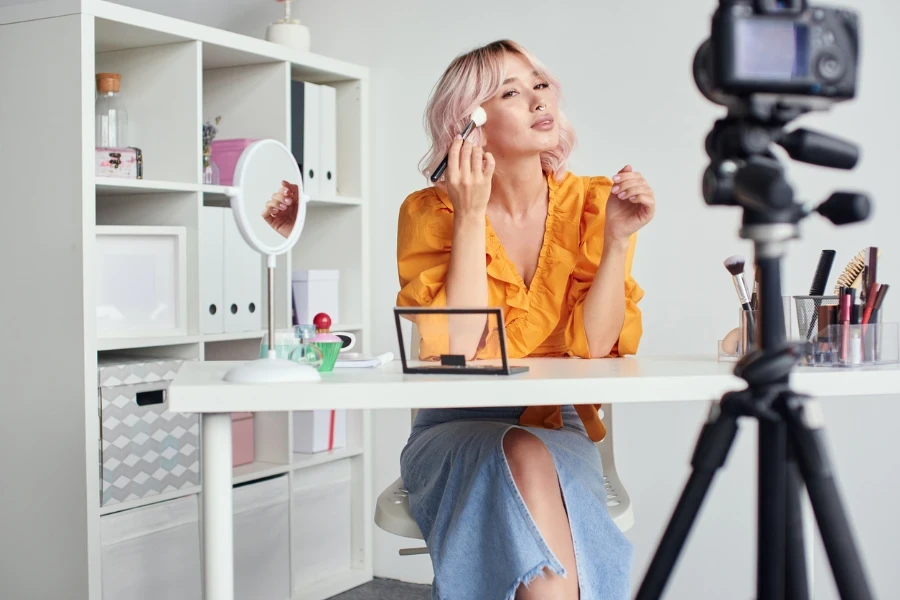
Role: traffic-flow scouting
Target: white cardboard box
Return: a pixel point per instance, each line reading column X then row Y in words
column 315, row 291
column 319, row 430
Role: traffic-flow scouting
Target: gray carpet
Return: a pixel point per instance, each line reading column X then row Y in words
column 387, row 589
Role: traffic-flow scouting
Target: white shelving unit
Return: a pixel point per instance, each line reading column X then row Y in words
column 176, row 75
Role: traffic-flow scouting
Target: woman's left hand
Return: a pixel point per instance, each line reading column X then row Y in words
column 630, row 206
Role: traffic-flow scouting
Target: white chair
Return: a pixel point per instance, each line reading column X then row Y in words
column 392, row 508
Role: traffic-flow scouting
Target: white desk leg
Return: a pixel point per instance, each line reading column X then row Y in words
column 218, row 536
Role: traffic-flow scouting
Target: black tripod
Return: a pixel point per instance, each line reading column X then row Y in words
column 745, row 173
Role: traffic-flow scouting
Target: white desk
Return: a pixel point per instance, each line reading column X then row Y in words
column 199, row 388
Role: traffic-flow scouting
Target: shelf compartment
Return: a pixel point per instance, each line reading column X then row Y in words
column 331, row 240
column 161, row 209
column 252, row 101
column 161, row 92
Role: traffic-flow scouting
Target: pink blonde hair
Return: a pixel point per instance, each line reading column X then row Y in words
column 472, row 79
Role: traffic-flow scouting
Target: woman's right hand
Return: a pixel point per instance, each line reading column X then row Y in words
column 281, row 210
column 469, row 174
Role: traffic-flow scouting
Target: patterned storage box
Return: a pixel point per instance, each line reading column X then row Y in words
column 145, row 449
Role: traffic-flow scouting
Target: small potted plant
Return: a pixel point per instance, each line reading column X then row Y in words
column 288, row 31
column 210, row 169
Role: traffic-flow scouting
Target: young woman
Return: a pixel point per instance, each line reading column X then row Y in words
column 511, row 501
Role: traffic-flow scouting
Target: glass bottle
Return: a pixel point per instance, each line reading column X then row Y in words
column 210, row 170
column 111, row 116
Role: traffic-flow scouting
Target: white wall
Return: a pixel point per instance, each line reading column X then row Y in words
column 626, row 71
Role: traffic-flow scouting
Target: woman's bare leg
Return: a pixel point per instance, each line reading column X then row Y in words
column 535, row 475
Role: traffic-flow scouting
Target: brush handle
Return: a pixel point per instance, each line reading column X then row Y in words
column 443, row 164
column 823, row 269
column 741, row 288
column 744, row 298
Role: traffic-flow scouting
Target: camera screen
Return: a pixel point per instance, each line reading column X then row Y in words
column 771, row 49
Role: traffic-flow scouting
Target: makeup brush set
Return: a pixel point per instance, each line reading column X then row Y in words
column 843, row 329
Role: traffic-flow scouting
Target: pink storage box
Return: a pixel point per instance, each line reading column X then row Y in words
column 226, row 153
column 241, row 438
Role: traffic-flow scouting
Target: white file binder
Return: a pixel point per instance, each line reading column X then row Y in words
column 243, row 282
column 328, row 142
column 212, row 268
column 312, row 162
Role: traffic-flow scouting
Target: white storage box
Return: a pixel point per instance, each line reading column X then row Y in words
column 140, row 281
column 321, row 530
column 315, row 291
column 152, row 552
column 319, row 430
column 262, row 553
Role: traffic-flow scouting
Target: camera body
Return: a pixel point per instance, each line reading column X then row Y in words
column 784, row 48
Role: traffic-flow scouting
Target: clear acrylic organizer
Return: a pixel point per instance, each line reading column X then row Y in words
column 856, row 345
column 743, row 338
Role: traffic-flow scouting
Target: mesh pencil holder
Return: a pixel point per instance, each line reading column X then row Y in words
column 807, row 310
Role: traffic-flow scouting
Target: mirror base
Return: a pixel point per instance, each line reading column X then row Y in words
column 272, row 370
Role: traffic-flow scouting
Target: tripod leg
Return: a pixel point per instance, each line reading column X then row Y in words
column 807, row 438
column 713, row 445
column 772, row 491
column 795, row 576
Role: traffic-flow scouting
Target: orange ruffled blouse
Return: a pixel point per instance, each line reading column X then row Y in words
column 545, row 319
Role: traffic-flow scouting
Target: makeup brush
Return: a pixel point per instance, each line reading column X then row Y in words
column 754, row 295
column 478, row 118
column 735, row 266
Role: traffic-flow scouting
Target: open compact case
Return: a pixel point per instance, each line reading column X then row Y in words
column 844, row 329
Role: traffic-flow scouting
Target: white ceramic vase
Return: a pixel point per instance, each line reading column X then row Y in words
column 293, row 35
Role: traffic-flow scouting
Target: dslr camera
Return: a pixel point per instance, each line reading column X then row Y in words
column 781, row 51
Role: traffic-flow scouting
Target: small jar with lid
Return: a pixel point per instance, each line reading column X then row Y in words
column 111, row 115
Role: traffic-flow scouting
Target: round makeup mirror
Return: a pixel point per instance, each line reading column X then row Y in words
column 269, row 206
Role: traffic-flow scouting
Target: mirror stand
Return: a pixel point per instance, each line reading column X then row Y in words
column 270, row 223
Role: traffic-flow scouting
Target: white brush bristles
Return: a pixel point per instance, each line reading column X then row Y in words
column 479, row 117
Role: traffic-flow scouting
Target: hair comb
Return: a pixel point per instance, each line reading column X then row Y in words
column 852, row 275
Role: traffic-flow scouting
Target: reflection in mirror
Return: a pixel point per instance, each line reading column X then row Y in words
column 272, row 208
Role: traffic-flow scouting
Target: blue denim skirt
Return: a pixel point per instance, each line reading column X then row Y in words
column 481, row 538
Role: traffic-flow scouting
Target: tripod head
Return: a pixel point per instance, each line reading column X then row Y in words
column 744, row 171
